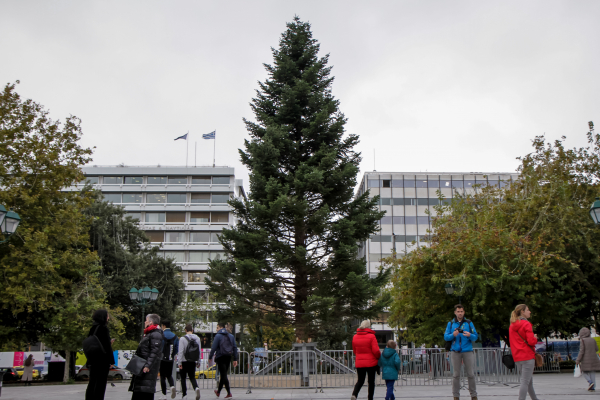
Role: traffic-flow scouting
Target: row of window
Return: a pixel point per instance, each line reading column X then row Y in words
column 386, row 201
column 182, row 237
column 398, row 238
column 430, row 183
column 405, row 220
column 199, row 217
column 158, row 180
column 164, row 198
column 193, row 256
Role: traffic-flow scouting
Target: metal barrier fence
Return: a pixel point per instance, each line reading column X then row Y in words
column 314, row 369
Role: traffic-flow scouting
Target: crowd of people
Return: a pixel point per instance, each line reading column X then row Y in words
column 159, row 350
column 460, row 334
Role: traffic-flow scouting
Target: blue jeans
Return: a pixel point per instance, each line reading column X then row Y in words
column 389, row 395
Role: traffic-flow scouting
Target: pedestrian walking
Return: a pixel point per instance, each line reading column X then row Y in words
column 522, row 342
column 390, row 367
column 367, row 353
column 461, row 332
column 150, row 349
column 100, row 367
column 170, row 350
column 225, row 351
column 28, row 370
column 588, row 358
column 188, row 358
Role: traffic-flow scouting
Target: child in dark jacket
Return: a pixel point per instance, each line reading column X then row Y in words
column 390, row 367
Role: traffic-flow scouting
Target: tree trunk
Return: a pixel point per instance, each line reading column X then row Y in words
column 67, row 366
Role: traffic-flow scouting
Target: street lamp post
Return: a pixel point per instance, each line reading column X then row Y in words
column 595, row 211
column 9, row 222
column 450, row 290
column 143, row 297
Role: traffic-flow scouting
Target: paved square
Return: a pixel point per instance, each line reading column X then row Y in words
column 547, row 386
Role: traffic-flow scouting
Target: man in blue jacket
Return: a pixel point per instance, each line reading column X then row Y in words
column 462, row 333
column 225, row 351
column 170, row 349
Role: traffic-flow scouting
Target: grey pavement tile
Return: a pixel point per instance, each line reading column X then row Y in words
column 548, row 387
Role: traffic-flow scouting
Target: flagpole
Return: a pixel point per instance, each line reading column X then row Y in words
column 187, row 143
column 214, row 148
column 195, row 151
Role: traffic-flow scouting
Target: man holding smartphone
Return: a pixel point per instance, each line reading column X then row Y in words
column 462, row 333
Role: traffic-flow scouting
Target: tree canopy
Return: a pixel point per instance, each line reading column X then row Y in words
column 530, row 242
column 294, row 247
column 49, row 256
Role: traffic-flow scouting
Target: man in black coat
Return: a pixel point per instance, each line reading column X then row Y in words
column 150, row 349
column 99, row 368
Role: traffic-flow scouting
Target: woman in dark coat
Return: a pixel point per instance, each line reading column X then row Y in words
column 99, row 368
column 150, row 349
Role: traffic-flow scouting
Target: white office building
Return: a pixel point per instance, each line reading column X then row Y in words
column 181, row 209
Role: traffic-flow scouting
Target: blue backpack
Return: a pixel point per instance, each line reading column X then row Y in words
column 225, row 346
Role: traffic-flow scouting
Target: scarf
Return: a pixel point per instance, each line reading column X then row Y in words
column 150, row 328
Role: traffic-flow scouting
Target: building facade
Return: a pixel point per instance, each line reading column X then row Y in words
column 406, row 197
column 181, row 209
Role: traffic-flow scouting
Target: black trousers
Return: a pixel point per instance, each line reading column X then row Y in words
column 223, row 366
column 188, row 369
column 97, row 384
column 142, row 396
column 166, row 374
column 362, row 373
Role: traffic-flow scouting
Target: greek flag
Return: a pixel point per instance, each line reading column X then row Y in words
column 184, row 137
column 209, row 135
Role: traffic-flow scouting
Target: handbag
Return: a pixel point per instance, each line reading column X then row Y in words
column 507, row 359
column 136, row 365
column 539, row 361
column 92, row 348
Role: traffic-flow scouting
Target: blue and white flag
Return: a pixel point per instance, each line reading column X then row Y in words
column 184, row 137
column 209, row 135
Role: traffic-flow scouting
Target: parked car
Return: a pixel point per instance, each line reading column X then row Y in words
column 209, row 373
column 20, row 370
column 114, row 373
column 10, row 374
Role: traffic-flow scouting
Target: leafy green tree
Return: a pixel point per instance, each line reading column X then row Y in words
column 68, row 328
column 532, row 242
column 297, row 236
column 128, row 260
column 49, row 256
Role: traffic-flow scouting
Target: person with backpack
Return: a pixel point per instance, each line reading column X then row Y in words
column 99, row 355
column 188, row 358
column 224, row 349
column 170, row 350
column 461, row 334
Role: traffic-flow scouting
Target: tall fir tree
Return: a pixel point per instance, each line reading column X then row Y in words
column 293, row 254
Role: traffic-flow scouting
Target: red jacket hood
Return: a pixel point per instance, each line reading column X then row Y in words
column 364, row 331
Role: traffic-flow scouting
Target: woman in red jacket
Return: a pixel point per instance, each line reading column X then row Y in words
column 522, row 346
column 367, row 353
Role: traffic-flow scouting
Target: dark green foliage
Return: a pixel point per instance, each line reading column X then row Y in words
column 295, row 246
column 129, row 261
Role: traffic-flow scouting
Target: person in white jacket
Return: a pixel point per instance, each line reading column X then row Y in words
column 187, row 367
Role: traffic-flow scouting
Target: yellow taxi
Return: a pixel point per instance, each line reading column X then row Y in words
column 209, row 373
column 20, row 370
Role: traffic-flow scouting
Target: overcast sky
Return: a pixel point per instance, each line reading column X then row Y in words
column 430, row 85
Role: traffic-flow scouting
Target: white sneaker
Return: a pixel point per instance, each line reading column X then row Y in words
column 197, row 393
column 184, row 398
column 162, row 397
column 173, row 392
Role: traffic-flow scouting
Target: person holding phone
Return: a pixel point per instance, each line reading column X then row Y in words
column 522, row 346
